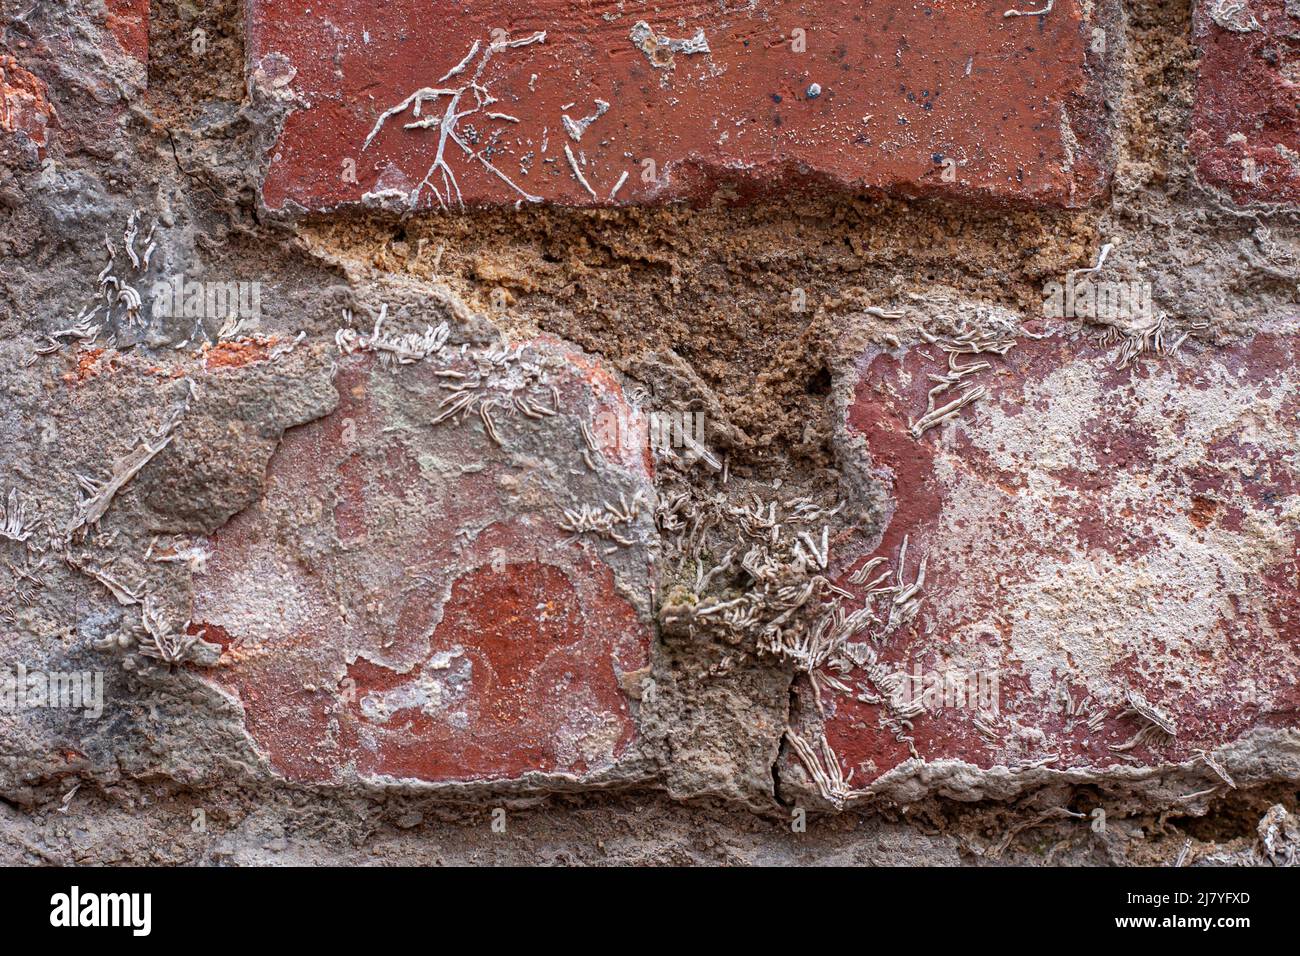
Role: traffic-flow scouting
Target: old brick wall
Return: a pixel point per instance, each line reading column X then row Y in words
column 793, row 431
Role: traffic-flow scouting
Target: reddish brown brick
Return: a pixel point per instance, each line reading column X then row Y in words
column 919, row 99
column 128, row 21
column 1246, row 122
column 1089, row 530
column 404, row 605
column 87, row 61
column 238, row 352
column 25, row 108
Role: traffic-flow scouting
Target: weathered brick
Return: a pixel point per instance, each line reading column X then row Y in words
column 405, row 605
column 84, row 59
column 25, row 107
column 918, row 99
column 128, row 21
column 1246, row 122
column 1088, row 531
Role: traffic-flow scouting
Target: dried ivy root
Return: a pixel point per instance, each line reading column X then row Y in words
column 823, row 767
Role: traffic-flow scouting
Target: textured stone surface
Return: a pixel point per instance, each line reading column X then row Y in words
column 129, row 22
column 24, row 103
column 56, row 77
column 403, row 605
column 919, row 99
column 1088, row 531
column 1245, row 124
column 400, row 635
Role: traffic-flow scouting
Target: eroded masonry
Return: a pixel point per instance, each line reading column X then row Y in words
column 797, row 431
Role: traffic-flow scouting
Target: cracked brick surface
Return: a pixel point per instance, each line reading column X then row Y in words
column 632, row 104
column 438, row 624
column 1088, row 531
column 129, row 22
column 24, row 103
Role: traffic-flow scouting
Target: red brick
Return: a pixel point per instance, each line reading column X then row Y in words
column 1246, row 121
column 25, row 107
column 73, row 63
column 238, row 352
column 128, row 21
column 1015, row 101
column 404, row 605
column 1091, row 530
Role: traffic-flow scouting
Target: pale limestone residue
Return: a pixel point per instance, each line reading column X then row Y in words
column 590, row 733
column 1226, row 409
column 1050, row 439
column 1234, row 15
column 444, row 683
column 1083, row 611
column 259, row 600
column 1078, row 619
